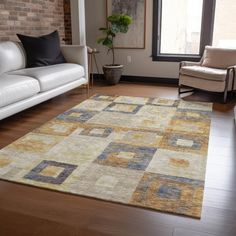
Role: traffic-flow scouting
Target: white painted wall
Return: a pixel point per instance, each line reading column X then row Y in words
column 142, row 64
column 225, row 24
column 78, row 22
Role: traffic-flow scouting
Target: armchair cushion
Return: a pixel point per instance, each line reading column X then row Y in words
column 204, row 72
column 220, row 58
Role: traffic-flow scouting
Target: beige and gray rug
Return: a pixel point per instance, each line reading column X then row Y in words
column 146, row 152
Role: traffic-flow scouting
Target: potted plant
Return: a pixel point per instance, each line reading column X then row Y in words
column 117, row 23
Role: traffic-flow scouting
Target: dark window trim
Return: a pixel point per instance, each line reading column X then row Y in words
column 208, row 15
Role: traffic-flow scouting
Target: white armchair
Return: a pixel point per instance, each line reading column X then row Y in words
column 215, row 72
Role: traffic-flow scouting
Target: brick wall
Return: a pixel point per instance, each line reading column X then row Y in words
column 67, row 20
column 34, row 17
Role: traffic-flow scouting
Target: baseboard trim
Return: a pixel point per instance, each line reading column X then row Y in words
column 142, row 79
column 146, row 79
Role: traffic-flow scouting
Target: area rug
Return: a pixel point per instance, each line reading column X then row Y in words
column 145, row 152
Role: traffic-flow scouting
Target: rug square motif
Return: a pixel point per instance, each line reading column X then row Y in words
column 163, row 102
column 124, row 108
column 140, row 138
column 57, row 127
column 155, row 117
column 169, row 193
column 7, row 163
column 4, row 161
column 193, row 115
column 145, row 152
column 97, row 132
column 82, row 148
column 131, row 100
column 99, row 97
column 186, row 142
column 77, row 115
column 199, row 106
column 17, row 168
column 189, row 126
column 35, row 143
column 178, row 164
column 51, row 172
column 106, row 182
column 126, row 156
column 115, row 120
column 93, row 105
column 159, row 111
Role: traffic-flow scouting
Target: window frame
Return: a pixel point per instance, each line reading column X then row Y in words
column 206, row 38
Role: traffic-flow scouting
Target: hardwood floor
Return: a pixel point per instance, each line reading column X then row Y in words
column 26, row 210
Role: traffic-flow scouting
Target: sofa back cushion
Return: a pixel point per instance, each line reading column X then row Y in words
column 220, row 58
column 12, row 56
column 42, row 51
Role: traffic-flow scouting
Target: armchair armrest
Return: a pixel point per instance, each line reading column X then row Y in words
column 232, row 67
column 76, row 54
column 189, row 63
column 231, row 70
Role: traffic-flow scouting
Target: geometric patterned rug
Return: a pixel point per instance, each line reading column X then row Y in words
column 145, row 152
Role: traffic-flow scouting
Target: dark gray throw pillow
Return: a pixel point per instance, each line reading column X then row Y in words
column 42, row 51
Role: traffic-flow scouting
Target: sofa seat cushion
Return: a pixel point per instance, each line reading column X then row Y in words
column 204, row 72
column 14, row 88
column 50, row 77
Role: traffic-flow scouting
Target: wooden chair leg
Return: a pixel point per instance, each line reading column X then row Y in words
column 179, row 90
column 190, row 90
column 96, row 64
column 87, row 88
column 225, row 95
column 91, row 72
column 226, row 85
column 90, row 69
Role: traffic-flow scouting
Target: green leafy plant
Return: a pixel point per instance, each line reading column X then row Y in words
column 117, row 23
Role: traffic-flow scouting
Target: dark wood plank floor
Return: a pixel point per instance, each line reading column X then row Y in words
column 32, row 211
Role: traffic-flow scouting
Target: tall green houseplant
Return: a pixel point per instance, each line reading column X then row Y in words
column 117, row 23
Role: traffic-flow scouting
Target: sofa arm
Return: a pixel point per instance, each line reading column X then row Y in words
column 76, row 54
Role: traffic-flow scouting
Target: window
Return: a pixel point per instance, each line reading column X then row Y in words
column 184, row 36
column 224, row 34
column 181, row 28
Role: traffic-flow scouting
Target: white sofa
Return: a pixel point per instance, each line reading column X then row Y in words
column 21, row 88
